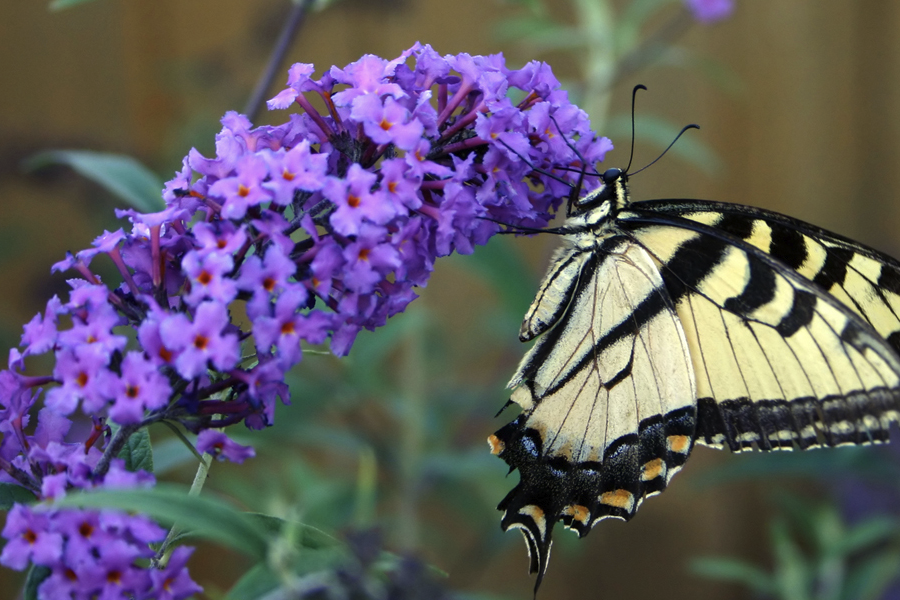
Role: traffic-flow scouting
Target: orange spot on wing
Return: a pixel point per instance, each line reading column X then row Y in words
column 619, row 498
column 652, row 469
column 496, row 445
column 577, row 512
column 678, row 443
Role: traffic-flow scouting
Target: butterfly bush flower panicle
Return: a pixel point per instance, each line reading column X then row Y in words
column 300, row 233
column 710, row 11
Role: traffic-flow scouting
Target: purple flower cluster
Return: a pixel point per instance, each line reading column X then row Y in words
column 292, row 234
column 709, row 11
column 93, row 554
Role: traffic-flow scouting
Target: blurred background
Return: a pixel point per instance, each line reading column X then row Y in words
column 798, row 107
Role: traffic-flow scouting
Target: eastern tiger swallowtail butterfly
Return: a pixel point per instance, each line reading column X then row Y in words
column 667, row 323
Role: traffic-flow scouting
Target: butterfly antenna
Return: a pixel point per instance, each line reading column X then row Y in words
column 680, row 133
column 633, row 101
column 534, row 168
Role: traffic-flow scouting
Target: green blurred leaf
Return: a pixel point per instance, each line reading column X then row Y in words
column 872, row 576
column 122, row 175
column 205, row 517
column 735, row 571
column 36, row 576
column 11, row 493
column 170, row 454
column 254, row 584
column 792, row 574
column 500, row 263
column 306, row 536
column 870, row 532
column 540, row 34
column 632, row 20
column 63, row 4
column 137, row 452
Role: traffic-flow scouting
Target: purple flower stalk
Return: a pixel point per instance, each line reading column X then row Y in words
column 315, row 229
column 710, row 11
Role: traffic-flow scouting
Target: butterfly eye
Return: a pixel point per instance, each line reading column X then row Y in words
column 611, row 175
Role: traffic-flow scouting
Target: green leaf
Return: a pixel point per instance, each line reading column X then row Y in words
column 36, row 576
column 62, row 4
column 306, row 536
column 171, row 453
column 205, row 517
column 137, row 452
column 736, row 571
column 500, row 264
column 871, row 576
column 634, row 17
column 868, row 533
column 11, row 493
column 254, row 584
column 122, row 175
column 792, row 574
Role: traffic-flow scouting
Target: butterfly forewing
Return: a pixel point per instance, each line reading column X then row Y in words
column 665, row 323
column 865, row 280
column 778, row 362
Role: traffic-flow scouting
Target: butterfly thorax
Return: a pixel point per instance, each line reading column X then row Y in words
column 593, row 210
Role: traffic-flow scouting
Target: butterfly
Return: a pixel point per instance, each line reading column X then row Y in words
column 662, row 324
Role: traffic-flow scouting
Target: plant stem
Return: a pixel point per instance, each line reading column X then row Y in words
column 291, row 27
column 165, row 551
column 412, row 437
column 597, row 24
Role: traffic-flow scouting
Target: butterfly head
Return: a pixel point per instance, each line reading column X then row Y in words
column 604, row 201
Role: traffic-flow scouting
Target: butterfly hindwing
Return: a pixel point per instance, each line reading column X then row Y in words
column 608, row 394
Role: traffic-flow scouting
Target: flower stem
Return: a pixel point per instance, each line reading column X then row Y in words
column 165, row 551
column 292, row 26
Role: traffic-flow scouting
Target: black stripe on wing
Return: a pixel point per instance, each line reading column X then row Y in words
column 866, row 280
column 780, row 363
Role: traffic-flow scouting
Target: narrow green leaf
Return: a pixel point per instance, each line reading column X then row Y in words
column 735, row 571
column 36, row 576
column 200, row 516
column 868, row 533
column 792, row 574
column 62, row 4
column 121, row 175
column 870, row 577
column 11, row 493
column 307, row 536
column 137, row 452
column 254, row 584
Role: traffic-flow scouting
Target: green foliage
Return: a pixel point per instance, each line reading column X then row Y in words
column 11, row 493
column 816, row 556
column 64, row 4
column 121, row 175
column 36, row 576
column 137, row 452
column 204, row 517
